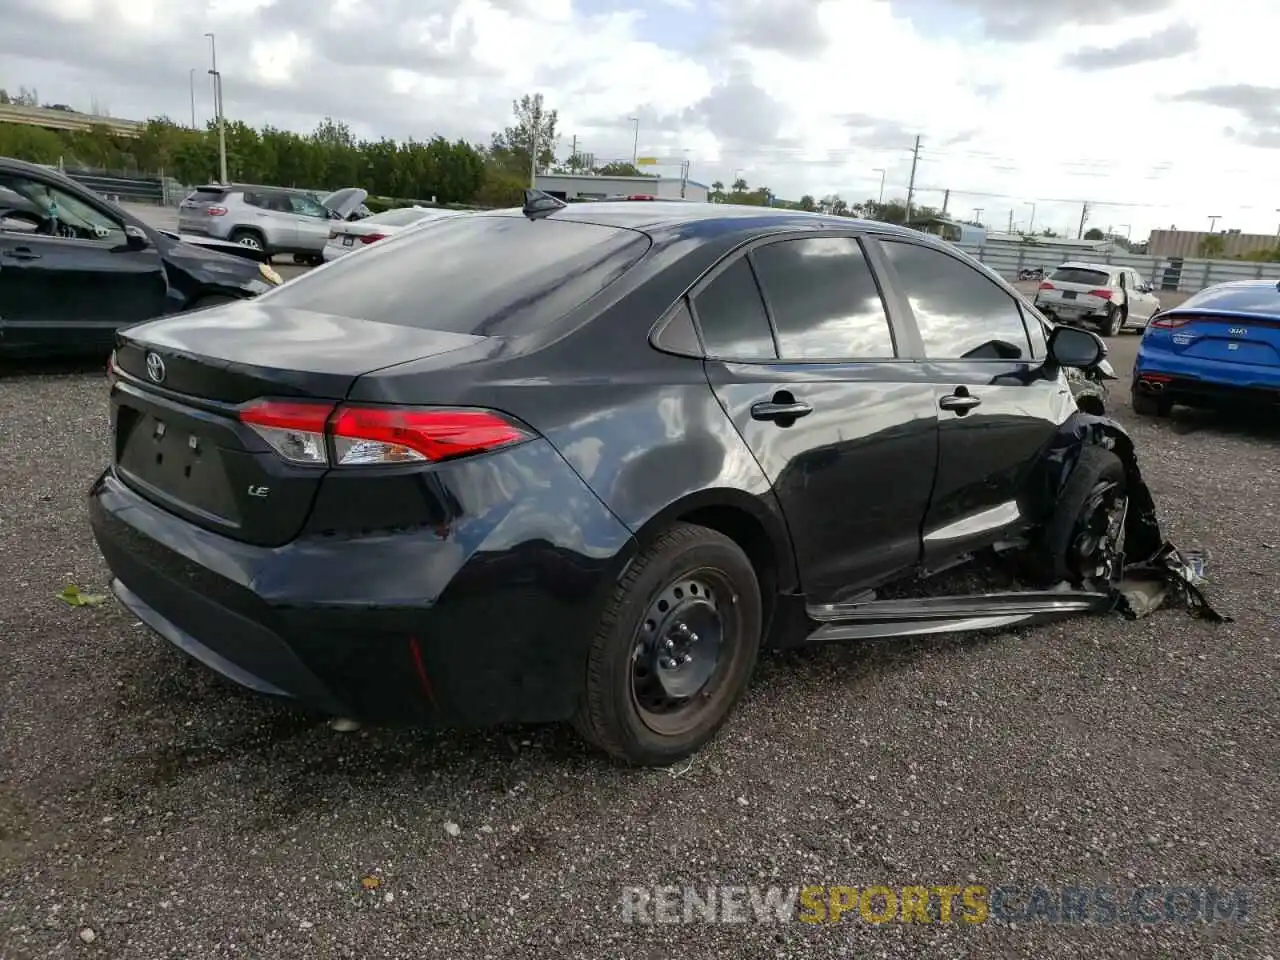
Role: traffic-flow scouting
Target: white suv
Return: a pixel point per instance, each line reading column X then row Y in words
column 1101, row 294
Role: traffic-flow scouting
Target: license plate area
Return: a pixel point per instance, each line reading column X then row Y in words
column 1068, row 294
column 348, row 241
column 172, row 458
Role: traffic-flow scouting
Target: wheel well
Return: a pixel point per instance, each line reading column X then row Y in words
column 254, row 230
column 1088, row 403
column 749, row 534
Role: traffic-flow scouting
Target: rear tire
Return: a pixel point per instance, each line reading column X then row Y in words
column 1114, row 322
column 249, row 238
column 639, row 704
column 1145, row 405
column 1057, row 555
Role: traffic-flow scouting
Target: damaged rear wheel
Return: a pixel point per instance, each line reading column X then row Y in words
column 1084, row 538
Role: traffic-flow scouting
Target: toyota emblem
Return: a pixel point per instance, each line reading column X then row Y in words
column 155, row 368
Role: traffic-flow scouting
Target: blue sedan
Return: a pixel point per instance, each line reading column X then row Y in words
column 1222, row 344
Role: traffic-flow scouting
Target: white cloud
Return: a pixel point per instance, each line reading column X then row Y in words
column 805, row 97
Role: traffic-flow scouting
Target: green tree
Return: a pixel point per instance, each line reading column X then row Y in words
column 535, row 124
column 620, row 168
column 1212, row 246
column 807, row 202
column 1093, row 233
column 739, row 185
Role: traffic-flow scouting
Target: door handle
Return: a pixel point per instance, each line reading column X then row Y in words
column 22, row 253
column 961, row 403
column 780, row 411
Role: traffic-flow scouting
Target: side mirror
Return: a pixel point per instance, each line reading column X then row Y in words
column 135, row 238
column 1073, row 347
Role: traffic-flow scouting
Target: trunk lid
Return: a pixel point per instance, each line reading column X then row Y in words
column 181, row 382
column 193, row 212
column 1228, row 337
column 1075, row 287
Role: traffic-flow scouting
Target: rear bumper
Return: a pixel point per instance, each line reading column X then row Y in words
column 477, row 626
column 1190, row 380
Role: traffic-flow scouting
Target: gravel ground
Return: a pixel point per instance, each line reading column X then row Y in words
column 149, row 810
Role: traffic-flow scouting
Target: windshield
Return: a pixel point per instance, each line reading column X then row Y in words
column 484, row 275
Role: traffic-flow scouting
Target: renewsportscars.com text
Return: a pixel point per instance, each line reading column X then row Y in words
column 944, row 903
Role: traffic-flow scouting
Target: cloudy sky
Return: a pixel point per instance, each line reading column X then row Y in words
column 1158, row 112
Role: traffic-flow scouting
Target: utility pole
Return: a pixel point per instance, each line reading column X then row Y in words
column 1010, row 220
column 882, row 175
column 911, row 184
column 1031, row 225
column 217, row 106
column 1213, row 222
column 192, row 78
column 573, row 155
column 635, row 146
column 1084, row 216
column 977, row 214
column 946, row 199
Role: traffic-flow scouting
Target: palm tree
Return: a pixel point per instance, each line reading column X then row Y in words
column 739, row 186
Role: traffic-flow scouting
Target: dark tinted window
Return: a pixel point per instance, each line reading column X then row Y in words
column 961, row 313
column 824, row 300
column 732, row 318
column 1092, row 278
column 677, row 334
column 490, row 276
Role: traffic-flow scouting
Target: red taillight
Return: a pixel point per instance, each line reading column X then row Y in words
column 217, row 211
column 1047, row 286
column 1169, row 323
column 293, row 429
column 371, row 237
column 366, row 435
column 641, row 196
column 300, row 430
column 1100, row 294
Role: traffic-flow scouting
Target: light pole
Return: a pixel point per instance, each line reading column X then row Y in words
column 1213, row 222
column 1278, row 230
column 977, row 215
column 635, row 145
column 217, row 106
column 192, row 79
column 880, row 171
column 1031, row 224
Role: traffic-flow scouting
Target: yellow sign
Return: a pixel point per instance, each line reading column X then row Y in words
column 647, row 162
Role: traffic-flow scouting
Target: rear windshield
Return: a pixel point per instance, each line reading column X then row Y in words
column 398, row 218
column 489, row 276
column 207, row 193
column 1091, row 278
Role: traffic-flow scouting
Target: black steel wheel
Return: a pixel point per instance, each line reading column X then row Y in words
column 1083, row 539
column 676, row 646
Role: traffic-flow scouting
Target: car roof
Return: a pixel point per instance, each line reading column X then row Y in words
column 1256, row 297
column 1088, row 265
column 707, row 218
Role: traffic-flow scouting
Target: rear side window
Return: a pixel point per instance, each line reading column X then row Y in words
column 488, row 276
column 1091, row 278
column 732, row 317
column 824, row 300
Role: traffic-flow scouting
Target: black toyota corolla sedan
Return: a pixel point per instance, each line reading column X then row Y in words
column 582, row 462
column 75, row 267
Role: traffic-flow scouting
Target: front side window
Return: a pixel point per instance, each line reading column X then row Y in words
column 961, row 314
column 306, row 206
column 824, row 300
column 42, row 209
